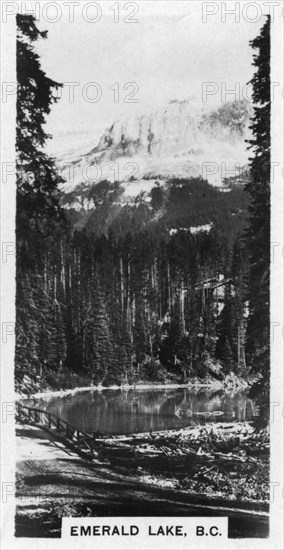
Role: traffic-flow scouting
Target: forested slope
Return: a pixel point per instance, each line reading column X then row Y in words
column 126, row 295
column 153, row 286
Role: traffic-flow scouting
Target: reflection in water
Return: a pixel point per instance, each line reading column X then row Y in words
column 134, row 410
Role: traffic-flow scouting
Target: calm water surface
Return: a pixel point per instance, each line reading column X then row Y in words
column 141, row 410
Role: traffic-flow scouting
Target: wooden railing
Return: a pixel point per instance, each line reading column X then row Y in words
column 81, row 442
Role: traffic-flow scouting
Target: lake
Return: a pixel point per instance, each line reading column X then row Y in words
column 141, row 410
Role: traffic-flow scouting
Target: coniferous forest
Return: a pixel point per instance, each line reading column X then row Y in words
column 131, row 292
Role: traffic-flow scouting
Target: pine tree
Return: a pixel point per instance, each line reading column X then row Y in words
column 121, row 362
column 258, row 187
column 38, row 213
column 37, row 178
column 97, row 346
column 171, row 353
column 26, row 331
column 239, row 280
column 140, row 332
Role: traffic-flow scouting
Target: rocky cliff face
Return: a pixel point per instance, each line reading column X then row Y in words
column 163, row 133
column 178, row 141
column 178, row 130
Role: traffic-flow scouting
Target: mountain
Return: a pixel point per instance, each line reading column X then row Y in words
column 180, row 141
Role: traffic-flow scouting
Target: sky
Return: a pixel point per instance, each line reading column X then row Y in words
column 169, row 53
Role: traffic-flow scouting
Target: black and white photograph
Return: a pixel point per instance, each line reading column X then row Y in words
column 142, row 239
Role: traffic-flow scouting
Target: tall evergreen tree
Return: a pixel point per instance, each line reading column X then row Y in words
column 37, row 178
column 38, row 211
column 258, row 187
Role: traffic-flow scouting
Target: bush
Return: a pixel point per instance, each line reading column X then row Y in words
column 112, row 380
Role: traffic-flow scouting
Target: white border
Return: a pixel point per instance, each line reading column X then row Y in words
column 8, row 314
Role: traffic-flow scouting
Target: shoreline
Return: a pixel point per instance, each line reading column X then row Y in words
column 114, row 387
column 212, row 384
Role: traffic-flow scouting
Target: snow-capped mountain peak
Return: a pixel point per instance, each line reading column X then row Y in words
column 178, row 141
